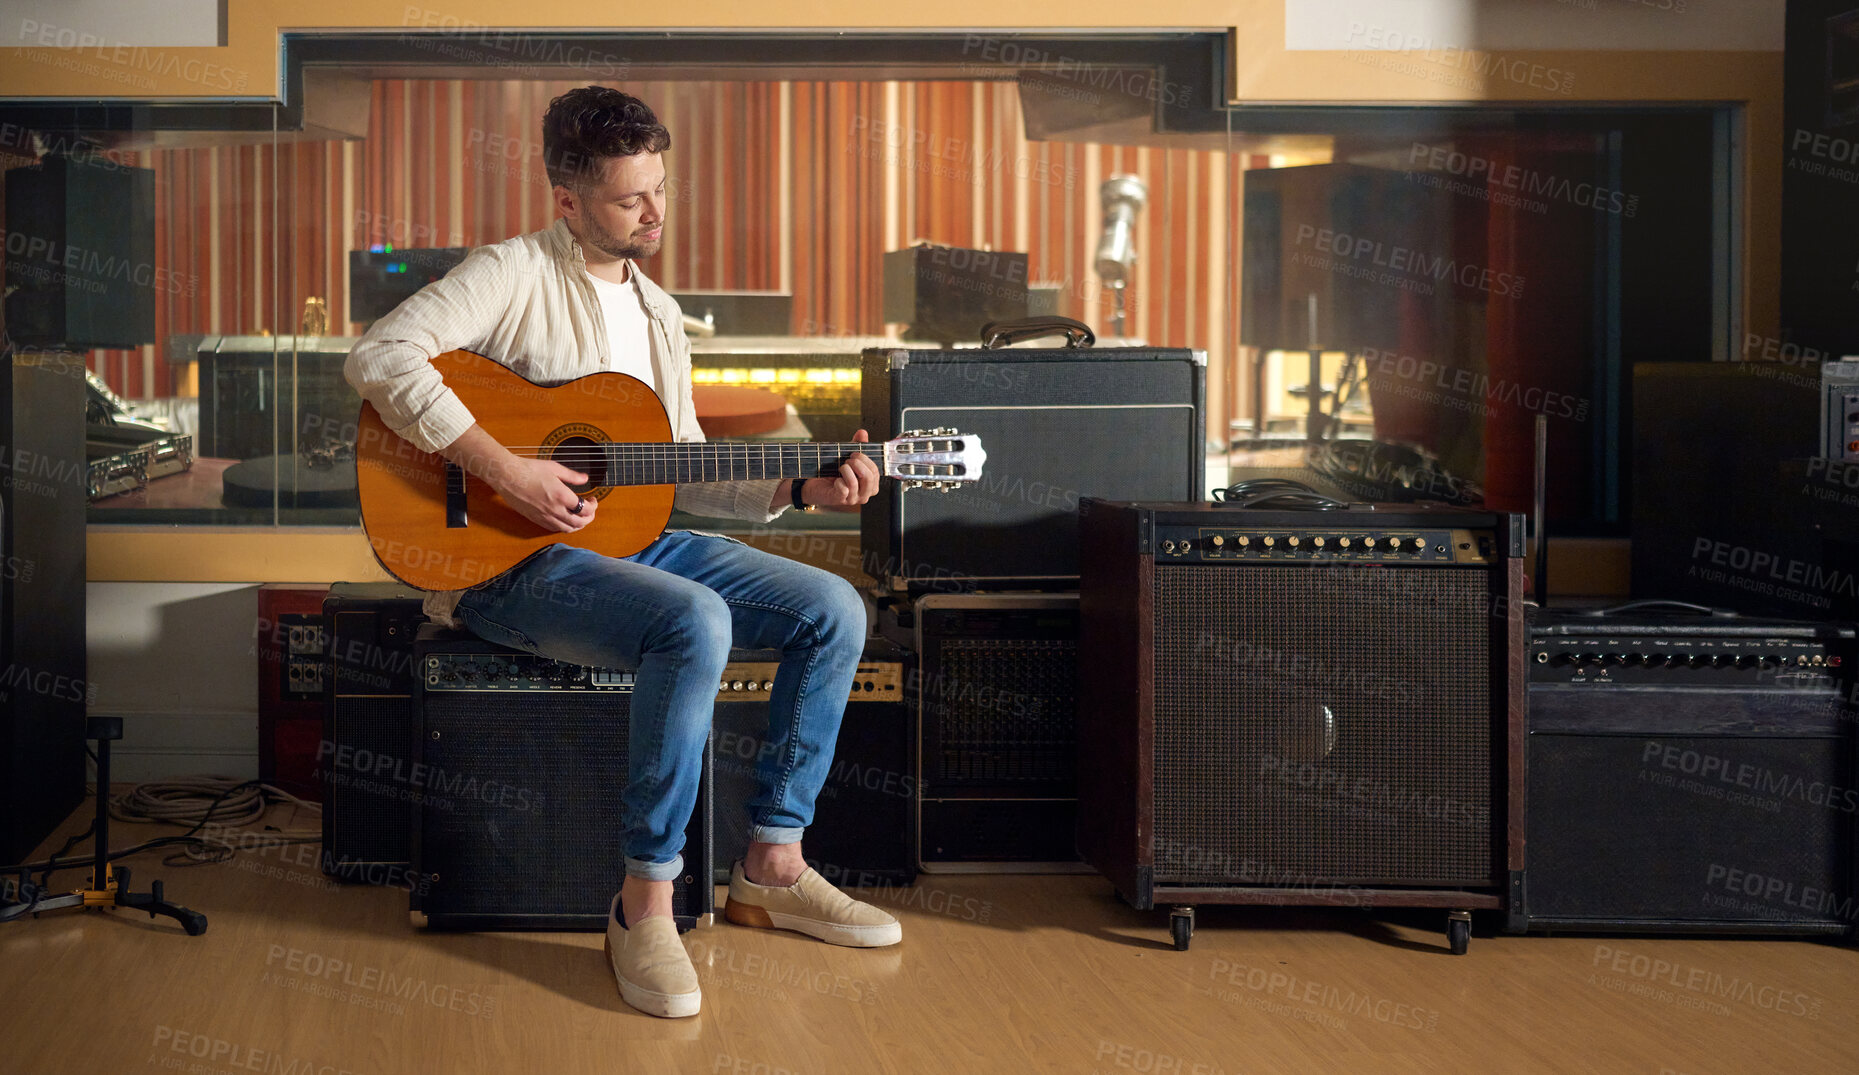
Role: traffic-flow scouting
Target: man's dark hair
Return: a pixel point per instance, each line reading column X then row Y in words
column 585, row 127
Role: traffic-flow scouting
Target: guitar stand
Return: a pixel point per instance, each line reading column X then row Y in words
column 109, row 888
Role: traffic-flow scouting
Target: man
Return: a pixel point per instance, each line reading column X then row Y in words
column 559, row 304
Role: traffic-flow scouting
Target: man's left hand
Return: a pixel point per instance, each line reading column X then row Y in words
column 857, row 482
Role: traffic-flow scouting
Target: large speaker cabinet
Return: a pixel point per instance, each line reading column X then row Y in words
column 1293, row 707
column 1688, row 773
column 81, row 270
column 864, row 821
column 1057, row 424
column 42, row 500
column 362, row 757
column 519, row 822
column 997, row 689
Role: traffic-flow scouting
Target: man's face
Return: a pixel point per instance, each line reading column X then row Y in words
column 622, row 212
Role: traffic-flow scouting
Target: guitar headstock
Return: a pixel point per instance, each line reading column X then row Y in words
column 934, row 459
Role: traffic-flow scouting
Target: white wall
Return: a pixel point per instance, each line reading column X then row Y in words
column 177, row 662
column 1420, row 25
column 89, row 24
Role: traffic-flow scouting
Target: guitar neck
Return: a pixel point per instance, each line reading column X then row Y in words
column 728, row 461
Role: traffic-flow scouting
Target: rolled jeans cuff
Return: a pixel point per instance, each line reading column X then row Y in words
column 768, row 834
column 655, row 871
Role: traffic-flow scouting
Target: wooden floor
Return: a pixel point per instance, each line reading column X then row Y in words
column 295, row 976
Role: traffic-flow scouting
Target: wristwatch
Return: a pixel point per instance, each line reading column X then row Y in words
column 800, row 505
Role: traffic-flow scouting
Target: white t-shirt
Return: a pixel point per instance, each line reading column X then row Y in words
column 629, row 334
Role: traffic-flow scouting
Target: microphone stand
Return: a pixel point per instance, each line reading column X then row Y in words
column 109, row 888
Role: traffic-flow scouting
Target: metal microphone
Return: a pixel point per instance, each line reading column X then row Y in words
column 1123, row 197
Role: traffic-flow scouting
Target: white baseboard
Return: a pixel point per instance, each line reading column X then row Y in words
column 162, row 745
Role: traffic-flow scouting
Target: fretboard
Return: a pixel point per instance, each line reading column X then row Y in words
column 726, row 461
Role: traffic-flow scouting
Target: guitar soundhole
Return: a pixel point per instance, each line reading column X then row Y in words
column 584, row 455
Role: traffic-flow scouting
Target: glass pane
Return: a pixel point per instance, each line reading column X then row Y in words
column 1445, row 279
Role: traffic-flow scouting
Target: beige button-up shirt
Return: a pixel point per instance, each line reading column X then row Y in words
column 527, row 302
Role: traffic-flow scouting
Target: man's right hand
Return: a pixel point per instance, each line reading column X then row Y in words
column 539, row 489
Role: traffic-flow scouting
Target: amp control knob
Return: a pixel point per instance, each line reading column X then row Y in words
column 1270, row 541
column 1243, row 541
column 1317, row 541
column 1216, row 541
column 1294, row 541
column 1344, row 542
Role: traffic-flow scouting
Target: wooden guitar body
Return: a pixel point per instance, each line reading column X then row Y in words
column 409, row 503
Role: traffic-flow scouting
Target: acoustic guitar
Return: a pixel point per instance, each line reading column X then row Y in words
column 435, row 527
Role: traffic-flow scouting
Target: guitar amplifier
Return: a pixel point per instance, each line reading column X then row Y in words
column 864, row 821
column 364, row 756
column 997, row 694
column 1300, row 707
column 522, row 761
column 1688, row 773
column 1058, row 424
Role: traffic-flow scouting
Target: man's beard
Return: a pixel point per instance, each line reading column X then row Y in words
column 615, row 247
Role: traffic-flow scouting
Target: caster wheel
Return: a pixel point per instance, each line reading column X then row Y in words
column 1181, row 927
column 1459, row 934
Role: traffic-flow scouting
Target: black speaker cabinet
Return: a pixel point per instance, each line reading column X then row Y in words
column 997, row 692
column 944, row 294
column 1299, row 707
column 1732, row 519
column 1057, row 425
column 520, row 821
column 1688, row 774
column 43, row 689
column 364, row 758
column 1820, row 203
column 864, row 822
column 80, row 255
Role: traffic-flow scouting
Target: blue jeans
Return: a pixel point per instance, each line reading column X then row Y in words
column 670, row 613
